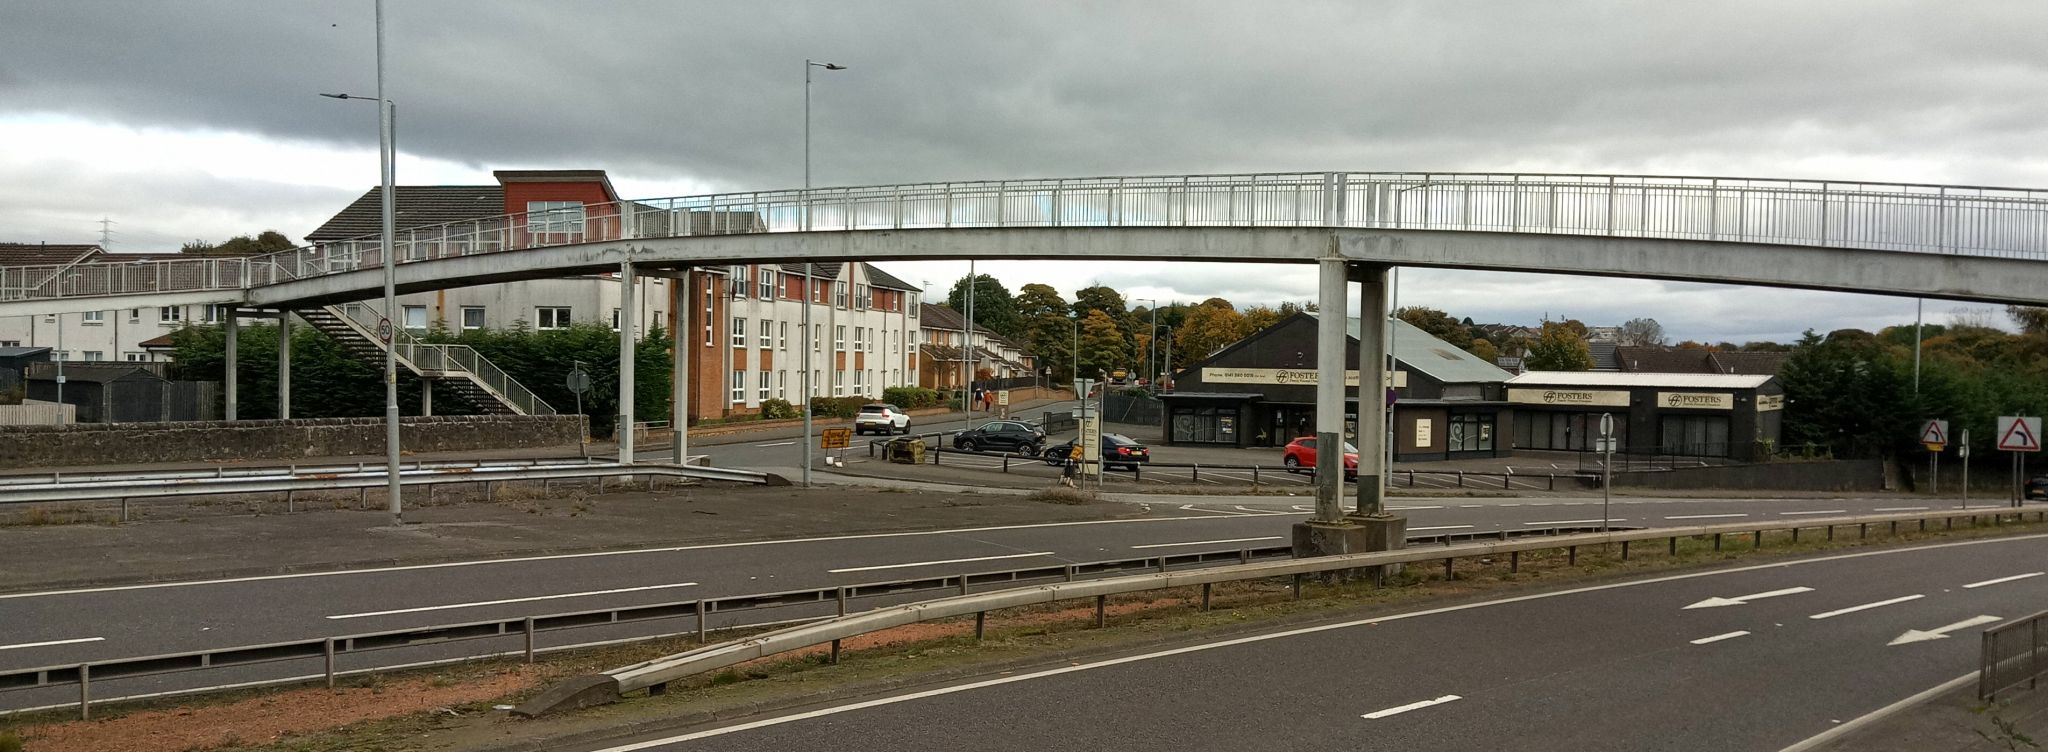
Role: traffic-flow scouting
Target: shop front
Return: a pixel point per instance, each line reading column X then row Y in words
column 1708, row 416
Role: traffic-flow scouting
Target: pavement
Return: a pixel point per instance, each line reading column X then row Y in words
column 1951, row 721
column 1636, row 664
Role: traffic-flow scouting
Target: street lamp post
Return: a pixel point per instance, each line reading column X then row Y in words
column 810, row 270
column 387, row 115
column 1151, row 342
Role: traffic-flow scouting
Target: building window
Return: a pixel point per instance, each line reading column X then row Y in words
column 551, row 317
column 782, row 336
column 93, row 318
column 767, row 284
column 859, row 385
column 767, row 334
column 134, row 315
column 415, row 317
column 212, row 313
column 763, row 388
column 781, row 384
column 707, row 311
column 136, row 357
column 472, row 317
column 94, row 355
column 739, row 387
column 858, row 333
column 1470, row 433
column 615, row 319
column 817, row 332
column 839, row 339
column 736, row 281
column 839, row 294
column 860, row 297
column 554, row 217
column 839, row 384
column 10, row 343
column 1693, row 435
column 739, row 332
column 913, row 305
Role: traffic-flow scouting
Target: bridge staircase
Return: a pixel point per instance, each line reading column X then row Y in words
column 459, row 369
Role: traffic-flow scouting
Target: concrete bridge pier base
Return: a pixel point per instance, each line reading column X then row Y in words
column 1328, row 532
column 679, row 379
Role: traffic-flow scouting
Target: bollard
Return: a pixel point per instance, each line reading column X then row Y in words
column 1006, row 462
column 1717, row 541
column 1507, row 480
column 1449, row 574
column 835, row 652
column 1674, row 545
column 1552, row 483
column 1461, row 479
column 490, row 495
column 85, row 692
column 290, row 501
column 1194, row 472
column 529, row 639
column 1862, row 530
column 703, row 629
column 1759, row 540
column 1795, row 535
column 1255, row 476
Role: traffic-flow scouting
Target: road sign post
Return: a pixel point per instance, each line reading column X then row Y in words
column 579, row 382
column 2019, row 434
column 1934, row 436
column 1606, row 469
column 1963, row 452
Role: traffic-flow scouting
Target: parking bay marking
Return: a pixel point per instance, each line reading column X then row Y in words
column 511, row 600
column 941, row 561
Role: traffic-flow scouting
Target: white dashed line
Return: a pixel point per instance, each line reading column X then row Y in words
column 1864, row 607
column 1974, row 585
column 1820, row 511
column 1207, row 542
column 1399, row 709
column 941, row 561
column 1720, row 637
column 1701, row 516
column 51, row 642
column 510, row 600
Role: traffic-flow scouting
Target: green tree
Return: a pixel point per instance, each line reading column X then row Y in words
column 1047, row 328
column 1103, row 348
column 2031, row 320
column 1437, row 323
column 1846, row 392
column 1559, row 348
column 993, row 306
column 268, row 241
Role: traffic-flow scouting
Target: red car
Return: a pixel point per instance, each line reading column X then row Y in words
column 1301, row 453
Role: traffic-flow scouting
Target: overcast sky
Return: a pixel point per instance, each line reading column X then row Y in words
column 197, row 119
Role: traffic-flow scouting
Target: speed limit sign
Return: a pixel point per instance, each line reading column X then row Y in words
column 384, row 330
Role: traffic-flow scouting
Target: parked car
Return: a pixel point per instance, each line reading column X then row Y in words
column 1006, row 435
column 2038, row 488
column 1118, row 450
column 881, row 417
column 1301, row 453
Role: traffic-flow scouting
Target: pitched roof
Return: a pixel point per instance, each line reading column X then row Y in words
column 939, row 317
column 156, row 342
column 880, row 278
column 1604, row 356
column 416, row 205
column 1753, row 363
column 22, row 352
column 1434, row 357
column 41, row 254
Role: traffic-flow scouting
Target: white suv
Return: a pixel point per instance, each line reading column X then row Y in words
column 881, row 418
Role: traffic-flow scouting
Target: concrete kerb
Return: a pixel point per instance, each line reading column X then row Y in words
column 651, row 674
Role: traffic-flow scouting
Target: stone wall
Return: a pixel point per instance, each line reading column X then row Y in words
column 1836, row 475
column 139, row 443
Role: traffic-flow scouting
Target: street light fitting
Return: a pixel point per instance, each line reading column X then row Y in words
column 827, row 66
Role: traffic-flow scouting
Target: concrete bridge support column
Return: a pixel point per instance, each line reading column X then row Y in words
column 1328, row 532
column 231, row 324
column 284, row 365
column 627, row 310
column 679, row 381
column 1383, row 531
column 427, row 398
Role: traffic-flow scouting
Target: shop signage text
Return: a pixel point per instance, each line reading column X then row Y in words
column 1696, row 400
column 1568, row 397
column 1769, row 402
column 1284, row 376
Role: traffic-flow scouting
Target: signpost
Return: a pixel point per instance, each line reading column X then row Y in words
column 1963, row 451
column 1934, row 436
column 1606, row 468
column 578, row 382
column 2017, row 434
column 384, row 330
column 837, row 439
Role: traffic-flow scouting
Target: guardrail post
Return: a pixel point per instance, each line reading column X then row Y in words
column 1205, row 596
column 1795, row 535
column 1624, row 550
column 329, row 650
column 1571, row 556
column 1862, row 530
column 842, row 597
column 1895, row 527
column 2033, row 653
column 85, row 691
column 124, row 509
column 1006, row 462
column 529, row 639
column 1717, row 541
column 1759, row 540
column 1297, row 586
column 1831, row 531
column 1514, row 562
column 703, row 629
column 1070, row 573
column 1674, row 545
column 1194, row 472
column 1449, row 574
column 980, row 625
column 1101, row 608
column 963, row 591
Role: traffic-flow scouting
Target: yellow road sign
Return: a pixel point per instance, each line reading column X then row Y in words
column 835, row 438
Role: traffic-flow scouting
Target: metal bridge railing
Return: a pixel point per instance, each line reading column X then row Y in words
column 1959, row 220
column 444, row 361
column 2011, row 656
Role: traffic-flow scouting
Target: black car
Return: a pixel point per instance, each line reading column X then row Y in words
column 2037, row 488
column 1005, row 435
column 1118, row 450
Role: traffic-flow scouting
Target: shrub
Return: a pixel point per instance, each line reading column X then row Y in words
column 776, row 409
column 837, row 407
column 1061, row 495
column 911, row 397
column 9, row 742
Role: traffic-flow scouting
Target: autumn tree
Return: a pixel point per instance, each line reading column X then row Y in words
column 1209, row 327
column 1642, row 332
column 1559, row 348
column 993, row 306
column 1258, row 318
column 1435, row 323
column 1103, row 348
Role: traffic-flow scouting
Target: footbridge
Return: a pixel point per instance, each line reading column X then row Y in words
column 1966, row 243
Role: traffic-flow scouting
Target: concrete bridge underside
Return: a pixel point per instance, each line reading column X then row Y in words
column 1905, row 274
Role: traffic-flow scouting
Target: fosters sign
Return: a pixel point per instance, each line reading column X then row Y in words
column 1696, row 400
column 1568, row 397
column 1306, row 376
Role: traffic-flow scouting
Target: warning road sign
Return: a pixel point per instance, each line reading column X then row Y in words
column 1934, row 435
column 2019, row 434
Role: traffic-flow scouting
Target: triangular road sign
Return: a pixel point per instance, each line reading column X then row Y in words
column 2017, row 434
column 1935, row 432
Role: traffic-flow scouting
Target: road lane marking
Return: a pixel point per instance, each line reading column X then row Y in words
column 1720, row 637
column 51, row 642
column 1207, row 542
column 1318, row 629
column 1410, row 509
column 1911, row 636
column 1820, row 511
column 1213, row 515
column 1399, row 709
column 1975, row 585
column 511, row 600
column 1865, row 607
column 1739, row 600
column 1702, row 516
column 1575, row 522
column 940, row 561
column 1440, row 527
column 1900, row 509
column 777, row 444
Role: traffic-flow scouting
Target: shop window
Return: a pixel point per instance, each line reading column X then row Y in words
column 1470, row 433
column 1205, row 425
column 1693, row 435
